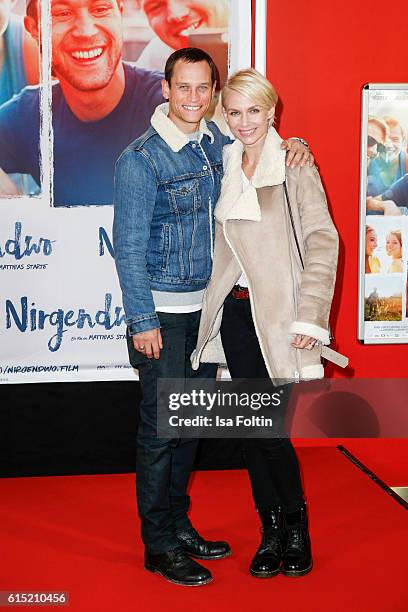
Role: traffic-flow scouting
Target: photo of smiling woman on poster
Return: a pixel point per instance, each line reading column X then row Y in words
column 394, row 250
column 372, row 263
column 384, row 245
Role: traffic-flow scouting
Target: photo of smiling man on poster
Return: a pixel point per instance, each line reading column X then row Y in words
column 100, row 102
column 175, row 21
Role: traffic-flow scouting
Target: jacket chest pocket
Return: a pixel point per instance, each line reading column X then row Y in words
column 184, row 197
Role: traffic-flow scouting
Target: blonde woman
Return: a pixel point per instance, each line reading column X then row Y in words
column 276, row 298
column 372, row 263
column 393, row 246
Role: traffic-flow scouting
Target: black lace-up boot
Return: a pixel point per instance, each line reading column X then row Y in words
column 297, row 558
column 268, row 557
column 195, row 546
column 176, row 566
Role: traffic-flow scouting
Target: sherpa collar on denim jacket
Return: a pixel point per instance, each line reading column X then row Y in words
column 170, row 133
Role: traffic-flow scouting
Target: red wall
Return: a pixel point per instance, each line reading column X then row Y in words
column 319, row 54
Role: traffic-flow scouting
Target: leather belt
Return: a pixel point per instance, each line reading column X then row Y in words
column 240, row 293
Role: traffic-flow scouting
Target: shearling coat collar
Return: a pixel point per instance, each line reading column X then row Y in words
column 235, row 204
column 171, row 134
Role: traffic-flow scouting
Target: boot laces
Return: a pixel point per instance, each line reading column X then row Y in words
column 179, row 556
column 297, row 537
column 270, row 539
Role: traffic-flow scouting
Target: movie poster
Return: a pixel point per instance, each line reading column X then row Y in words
column 384, row 215
column 65, row 117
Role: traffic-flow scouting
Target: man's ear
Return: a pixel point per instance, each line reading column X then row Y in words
column 31, row 25
column 165, row 89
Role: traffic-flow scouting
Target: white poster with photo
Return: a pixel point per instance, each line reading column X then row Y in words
column 61, row 313
column 383, row 314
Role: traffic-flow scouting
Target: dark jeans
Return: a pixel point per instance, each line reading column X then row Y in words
column 272, row 464
column 164, row 465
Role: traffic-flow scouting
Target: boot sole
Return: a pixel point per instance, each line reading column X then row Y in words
column 264, row 574
column 206, row 558
column 296, row 574
column 154, row 570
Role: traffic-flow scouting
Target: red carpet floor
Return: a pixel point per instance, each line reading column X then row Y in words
column 80, row 534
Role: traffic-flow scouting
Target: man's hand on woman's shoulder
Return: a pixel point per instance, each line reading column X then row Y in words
column 298, row 152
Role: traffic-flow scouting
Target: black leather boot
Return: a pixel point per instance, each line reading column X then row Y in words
column 195, row 546
column 267, row 560
column 177, row 567
column 297, row 558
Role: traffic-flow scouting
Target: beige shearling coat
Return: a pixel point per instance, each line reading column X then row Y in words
column 254, row 234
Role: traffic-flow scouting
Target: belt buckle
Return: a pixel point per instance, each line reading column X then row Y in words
column 240, row 293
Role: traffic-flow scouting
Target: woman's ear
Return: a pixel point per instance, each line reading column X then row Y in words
column 271, row 115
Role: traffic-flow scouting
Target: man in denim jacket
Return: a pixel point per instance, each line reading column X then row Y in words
column 166, row 185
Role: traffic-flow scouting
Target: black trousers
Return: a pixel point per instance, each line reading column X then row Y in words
column 272, row 463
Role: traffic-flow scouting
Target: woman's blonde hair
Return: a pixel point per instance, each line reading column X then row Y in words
column 252, row 84
column 397, row 233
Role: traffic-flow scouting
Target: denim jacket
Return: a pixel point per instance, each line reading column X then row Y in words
column 166, row 188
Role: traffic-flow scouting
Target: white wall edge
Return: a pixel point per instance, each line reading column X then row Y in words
column 240, row 35
column 260, row 36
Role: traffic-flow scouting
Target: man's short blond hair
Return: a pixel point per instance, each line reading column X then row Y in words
column 252, row 84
